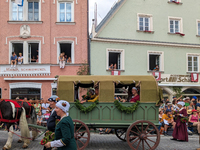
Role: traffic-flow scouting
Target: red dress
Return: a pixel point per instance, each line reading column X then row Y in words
column 180, row 130
column 135, row 99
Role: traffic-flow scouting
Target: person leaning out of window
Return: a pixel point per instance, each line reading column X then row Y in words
column 20, row 59
column 62, row 60
column 13, row 59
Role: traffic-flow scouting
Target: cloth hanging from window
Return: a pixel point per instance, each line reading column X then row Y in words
column 19, row 2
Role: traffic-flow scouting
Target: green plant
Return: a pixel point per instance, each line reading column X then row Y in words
column 83, row 69
column 178, row 91
column 127, row 110
column 86, row 109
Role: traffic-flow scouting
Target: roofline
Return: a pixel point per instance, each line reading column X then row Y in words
column 109, row 16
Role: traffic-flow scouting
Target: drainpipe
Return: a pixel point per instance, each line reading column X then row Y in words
column 88, row 38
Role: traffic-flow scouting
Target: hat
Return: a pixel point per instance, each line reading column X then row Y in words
column 135, row 88
column 181, row 103
column 187, row 98
column 194, row 97
column 64, row 105
column 53, row 98
column 194, row 110
column 168, row 103
column 174, row 96
column 184, row 99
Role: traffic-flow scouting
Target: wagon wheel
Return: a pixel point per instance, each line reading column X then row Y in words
column 143, row 135
column 81, row 134
column 121, row 134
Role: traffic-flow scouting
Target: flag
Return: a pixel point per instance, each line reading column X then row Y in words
column 19, row 2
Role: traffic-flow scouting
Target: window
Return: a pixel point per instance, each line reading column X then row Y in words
column 17, row 48
column 33, row 11
column 193, row 63
column 30, row 11
column 54, row 91
column 155, row 58
column 198, row 27
column 66, row 12
column 30, row 93
column 67, row 50
column 17, row 12
column 175, row 25
column 33, row 52
column 145, row 22
column 29, row 50
column 115, row 57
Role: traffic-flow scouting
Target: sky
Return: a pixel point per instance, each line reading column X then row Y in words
column 103, row 6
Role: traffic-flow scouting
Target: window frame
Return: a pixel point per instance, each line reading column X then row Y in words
column 25, row 50
column 198, row 27
column 161, row 66
column 121, row 51
column 72, row 50
column 72, row 11
column 180, row 24
column 141, row 15
column 33, row 10
column 25, row 10
column 193, row 55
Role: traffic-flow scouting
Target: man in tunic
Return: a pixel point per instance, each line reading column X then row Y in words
column 180, row 131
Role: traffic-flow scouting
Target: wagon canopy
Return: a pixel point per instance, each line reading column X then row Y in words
column 149, row 90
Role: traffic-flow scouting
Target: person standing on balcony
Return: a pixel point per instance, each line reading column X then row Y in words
column 13, row 60
column 62, row 60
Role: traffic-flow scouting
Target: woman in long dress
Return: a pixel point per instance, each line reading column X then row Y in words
column 180, row 131
column 64, row 132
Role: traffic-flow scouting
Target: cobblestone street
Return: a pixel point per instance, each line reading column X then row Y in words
column 109, row 142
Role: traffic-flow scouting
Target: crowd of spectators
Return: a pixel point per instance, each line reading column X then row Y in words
column 167, row 111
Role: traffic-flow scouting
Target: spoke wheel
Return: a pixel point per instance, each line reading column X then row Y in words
column 143, row 135
column 121, row 134
column 81, row 134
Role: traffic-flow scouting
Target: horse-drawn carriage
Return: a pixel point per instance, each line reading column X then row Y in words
column 134, row 123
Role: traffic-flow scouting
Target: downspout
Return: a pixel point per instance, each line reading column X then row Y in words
column 88, row 38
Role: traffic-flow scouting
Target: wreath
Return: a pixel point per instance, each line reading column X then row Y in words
column 127, row 110
column 86, row 109
column 184, row 120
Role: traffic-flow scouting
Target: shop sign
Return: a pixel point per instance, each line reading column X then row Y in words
column 194, row 77
column 6, row 70
column 175, row 78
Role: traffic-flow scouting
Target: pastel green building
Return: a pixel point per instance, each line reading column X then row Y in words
column 138, row 35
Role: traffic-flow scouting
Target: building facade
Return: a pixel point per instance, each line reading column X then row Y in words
column 41, row 30
column 138, row 35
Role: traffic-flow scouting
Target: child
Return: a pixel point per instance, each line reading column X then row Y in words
column 39, row 118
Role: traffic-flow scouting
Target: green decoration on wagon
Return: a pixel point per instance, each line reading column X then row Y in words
column 86, row 109
column 127, row 110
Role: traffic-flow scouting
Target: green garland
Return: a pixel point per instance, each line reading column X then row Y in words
column 86, row 109
column 127, row 110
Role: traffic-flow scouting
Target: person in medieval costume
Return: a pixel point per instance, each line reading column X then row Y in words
column 51, row 122
column 180, row 131
column 64, row 132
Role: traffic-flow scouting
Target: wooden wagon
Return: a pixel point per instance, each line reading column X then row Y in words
column 138, row 128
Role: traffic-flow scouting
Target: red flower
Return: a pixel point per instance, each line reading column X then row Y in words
column 64, row 104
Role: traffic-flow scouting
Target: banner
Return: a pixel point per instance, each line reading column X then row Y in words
column 19, row 2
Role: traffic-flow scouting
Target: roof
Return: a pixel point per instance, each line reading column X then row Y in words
column 109, row 15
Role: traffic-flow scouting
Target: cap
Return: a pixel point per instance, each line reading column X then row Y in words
column 174, row 96
column 194, row 97
column 53, row 98
column 194, row 110
column 187, row 98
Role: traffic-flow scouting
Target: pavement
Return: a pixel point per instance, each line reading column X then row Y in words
column 108, row 142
